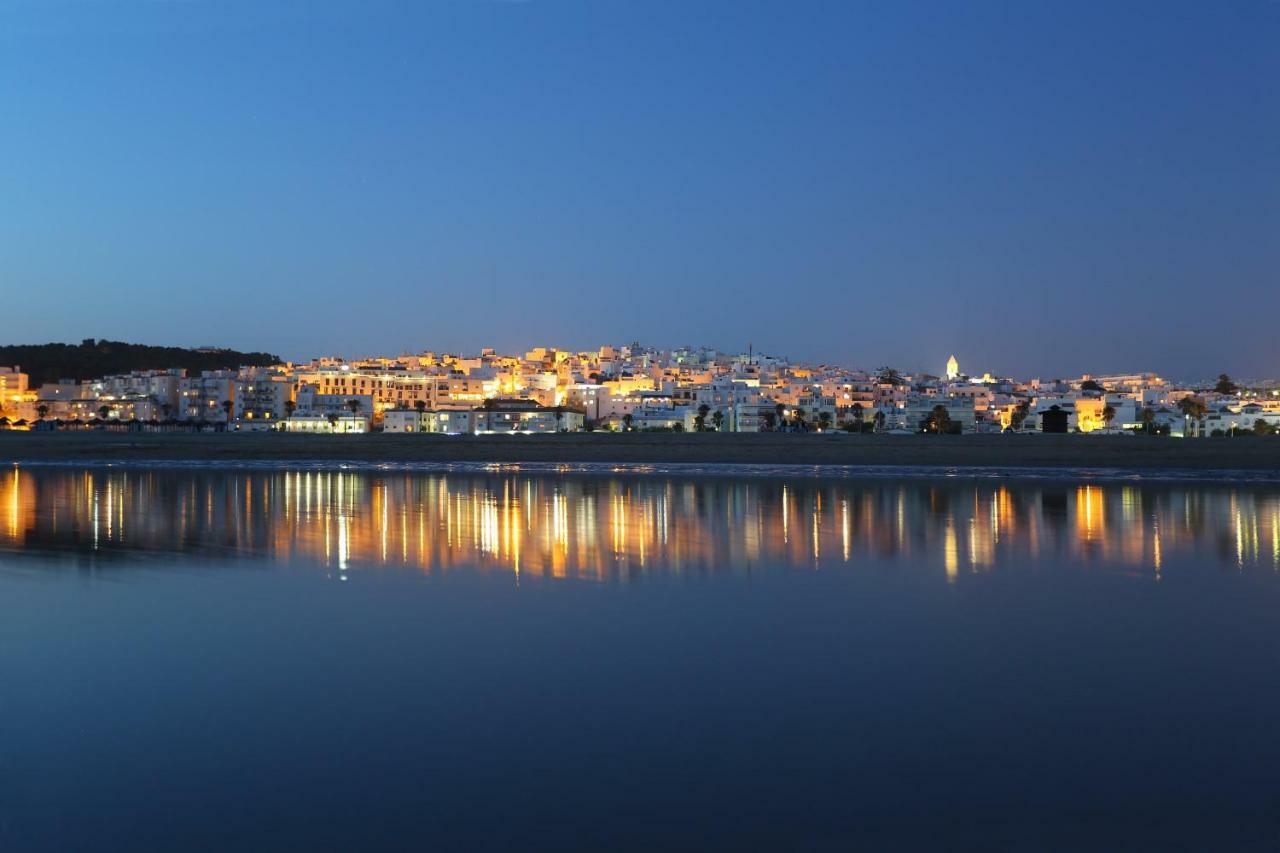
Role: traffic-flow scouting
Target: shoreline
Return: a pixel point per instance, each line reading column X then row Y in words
column 997, row 454
column 687, row 470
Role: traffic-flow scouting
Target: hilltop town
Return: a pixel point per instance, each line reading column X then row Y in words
column 623, row 388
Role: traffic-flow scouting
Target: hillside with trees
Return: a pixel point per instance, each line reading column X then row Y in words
column 90, row 359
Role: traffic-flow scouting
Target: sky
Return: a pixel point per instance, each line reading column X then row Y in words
column 1040, row 188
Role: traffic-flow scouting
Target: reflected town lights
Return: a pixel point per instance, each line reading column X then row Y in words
column 600, row 528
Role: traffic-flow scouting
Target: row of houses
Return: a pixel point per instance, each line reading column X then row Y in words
column 614, row 388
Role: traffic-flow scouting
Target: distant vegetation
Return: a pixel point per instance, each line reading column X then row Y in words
column 90, row 359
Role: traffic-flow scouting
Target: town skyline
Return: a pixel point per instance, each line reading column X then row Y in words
column 935, row 367
column 626, row 388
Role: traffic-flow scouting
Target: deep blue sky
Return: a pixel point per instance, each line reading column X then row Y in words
column 1041, row 188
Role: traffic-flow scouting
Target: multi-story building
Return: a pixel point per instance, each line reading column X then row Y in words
column 13, row 385
column 207, row 398
column 310, row 400
column 161, row 386
column 264, row 399
column 741, row 406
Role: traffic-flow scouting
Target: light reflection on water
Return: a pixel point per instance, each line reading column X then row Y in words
column 619, row 527
column 861, row 661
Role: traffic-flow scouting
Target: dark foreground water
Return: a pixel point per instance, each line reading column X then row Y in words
column 333, row 661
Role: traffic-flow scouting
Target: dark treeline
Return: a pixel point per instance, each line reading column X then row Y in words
column 90, row 359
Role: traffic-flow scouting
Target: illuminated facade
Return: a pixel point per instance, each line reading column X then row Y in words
column 443, row 421
column 613, row 388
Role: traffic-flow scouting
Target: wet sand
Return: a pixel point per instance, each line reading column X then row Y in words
column 997, row 451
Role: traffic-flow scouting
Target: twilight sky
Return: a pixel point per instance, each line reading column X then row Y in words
column 1042, row 188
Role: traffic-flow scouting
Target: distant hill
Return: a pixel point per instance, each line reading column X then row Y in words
column 90, row 359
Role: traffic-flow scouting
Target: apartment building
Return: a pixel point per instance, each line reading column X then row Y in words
column 209, row 397
column 264, row 399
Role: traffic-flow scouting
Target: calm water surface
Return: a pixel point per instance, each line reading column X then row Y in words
column 231, row 660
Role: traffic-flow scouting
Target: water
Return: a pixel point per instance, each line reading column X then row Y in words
column 264, row 659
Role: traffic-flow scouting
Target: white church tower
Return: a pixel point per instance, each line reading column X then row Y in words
column 953, row 368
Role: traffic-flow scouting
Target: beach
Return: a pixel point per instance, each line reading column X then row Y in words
column 1245, row 453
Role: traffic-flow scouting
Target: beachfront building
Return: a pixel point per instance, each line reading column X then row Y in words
column 1086, row 412
column 316, row 412
column 108, row 407
column 525, row 416
column 310, row 400
column 440, row 421
column 332, row 422
column 659, row 418
column 739, row 403
column 17, row 401
column 208, row 397
column 919, row 408
column 1225, row 421
column 13, row 385
column 162, row 386
column 264, row 400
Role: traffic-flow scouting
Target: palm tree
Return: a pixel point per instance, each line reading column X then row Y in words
column 700, row 421
column 858, row 414
column 103, row 411
column 879, row 419
column 332, row 418
column 166, row 409
column 1108, row 414
column 824, row 421
column 420, row 405
column 1193, row 407
column 289, row 408
column 781, row 412
column 1019, row 416
column 1148, row 419
column 717, row 418
column 798, row 416
column 227, row 406
column 888, row 376
column 354, row 406
column 769, row 421
column 626, row 421
column 42, row 410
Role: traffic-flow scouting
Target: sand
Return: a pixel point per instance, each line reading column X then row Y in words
column 1000, row 451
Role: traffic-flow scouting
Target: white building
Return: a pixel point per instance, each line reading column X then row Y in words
column 263, row 398
column 516, row 416
column 332, row 422
column 741, row 405
column 209, row 397
column 441, row 421
column 330, row 412
column 919, row 408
